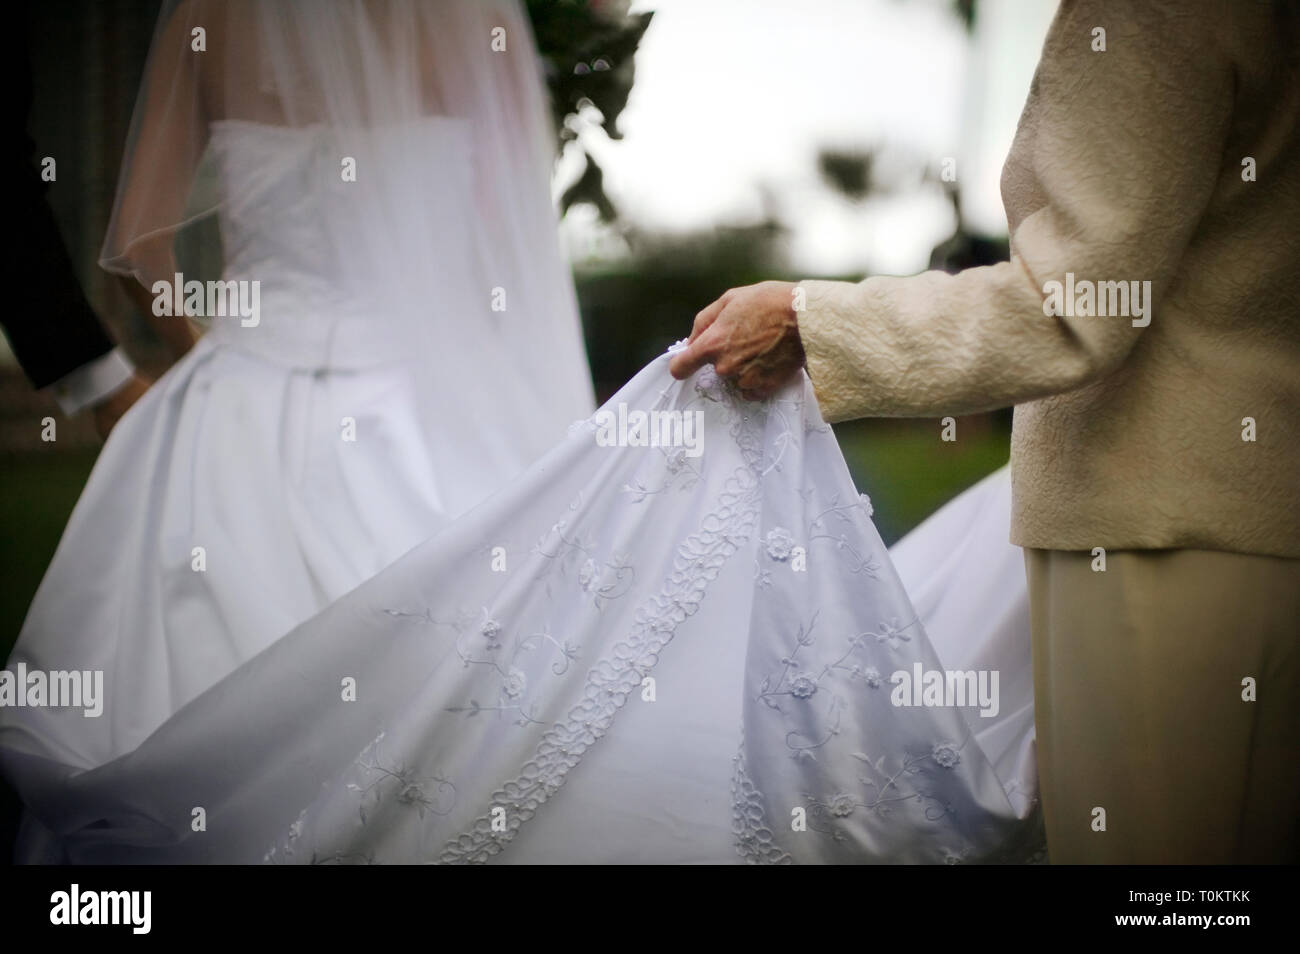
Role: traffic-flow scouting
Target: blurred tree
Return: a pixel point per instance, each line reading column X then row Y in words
column 588, row 50
column 589, row 188
column 965, row 10
column 849, row 171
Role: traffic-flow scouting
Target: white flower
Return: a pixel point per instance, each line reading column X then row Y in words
column 587, row 575
column 803, row 685
column 491, row 630
column 872, row 675
column 841, row 806
column 893, row 634
column 411, row 793
column 779, row 543
column 409, row 789
column 866, row 504
column 946, row 755
column 515, row 683
column 676, row 459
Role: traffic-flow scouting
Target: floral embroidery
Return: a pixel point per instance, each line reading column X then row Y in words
column 821, row 695
column 779, row 543
column 842, row 805
column 818, row 529
column 423, row 793
column 615, row 679
column 946, row 755
column 603, row 581
column 803, row 685
column 754, row 840
column 515, row 683
column 893, row 634
column 400, row 782
column 806, row 681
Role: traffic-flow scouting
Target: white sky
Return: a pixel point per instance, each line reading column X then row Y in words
column 732, row 95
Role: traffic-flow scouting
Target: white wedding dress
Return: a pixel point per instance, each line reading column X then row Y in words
column 321, row 650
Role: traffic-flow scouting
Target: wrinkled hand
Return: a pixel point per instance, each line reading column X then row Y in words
column 750, row 335
column 110, row 410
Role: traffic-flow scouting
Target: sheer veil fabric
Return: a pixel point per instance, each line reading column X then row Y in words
column 415, row 138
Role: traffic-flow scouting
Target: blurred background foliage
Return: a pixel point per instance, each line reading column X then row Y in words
column 588, row 53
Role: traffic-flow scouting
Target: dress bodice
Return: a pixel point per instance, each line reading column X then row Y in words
column 345, row 233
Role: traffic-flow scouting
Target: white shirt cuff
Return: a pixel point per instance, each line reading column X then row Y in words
column 92, row 382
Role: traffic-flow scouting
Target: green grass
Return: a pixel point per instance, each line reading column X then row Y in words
column 37, row 494
column 909, row 472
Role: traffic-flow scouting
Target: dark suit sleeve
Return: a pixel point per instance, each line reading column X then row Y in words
column 49, row 323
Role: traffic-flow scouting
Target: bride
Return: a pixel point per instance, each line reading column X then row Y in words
column 358, row 597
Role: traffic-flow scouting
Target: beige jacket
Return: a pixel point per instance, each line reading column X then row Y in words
column 1127, row 166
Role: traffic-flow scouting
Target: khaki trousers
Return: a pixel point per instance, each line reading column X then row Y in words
column 1139, row 708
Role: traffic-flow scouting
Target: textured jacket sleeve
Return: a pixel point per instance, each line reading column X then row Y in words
column 1114, row 161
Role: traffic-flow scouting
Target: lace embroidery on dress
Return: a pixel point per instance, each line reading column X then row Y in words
column 610, row 684
column 754, row 840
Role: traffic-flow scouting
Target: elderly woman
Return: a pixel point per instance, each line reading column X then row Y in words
column 1154, row 457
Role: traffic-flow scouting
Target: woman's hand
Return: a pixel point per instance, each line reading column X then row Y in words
column 750, row 335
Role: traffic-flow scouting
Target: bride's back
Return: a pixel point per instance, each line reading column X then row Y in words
column 380, row 167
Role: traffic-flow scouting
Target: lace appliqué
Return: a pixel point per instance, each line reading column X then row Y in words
column 754, row 840
column 612, row 682
column 609, row 685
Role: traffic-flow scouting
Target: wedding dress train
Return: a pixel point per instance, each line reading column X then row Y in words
column 629, row 653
